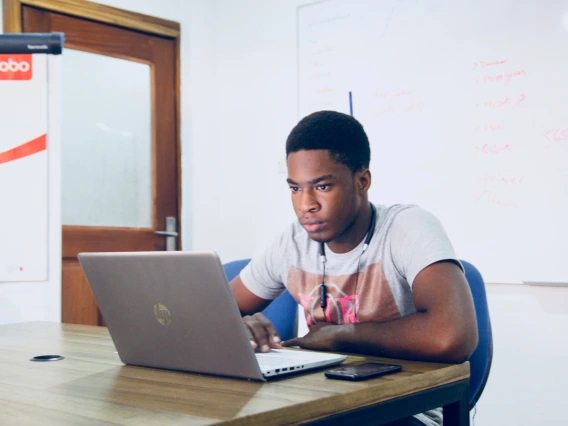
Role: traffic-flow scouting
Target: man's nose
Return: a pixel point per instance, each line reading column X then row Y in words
column 308, row 201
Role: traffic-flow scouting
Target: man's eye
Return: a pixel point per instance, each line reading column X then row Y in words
column 294, row 188
column 323, row 187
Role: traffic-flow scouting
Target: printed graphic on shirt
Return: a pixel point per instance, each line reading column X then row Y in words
column 350, row 299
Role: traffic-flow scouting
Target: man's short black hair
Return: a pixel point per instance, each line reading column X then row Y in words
column 340, row 134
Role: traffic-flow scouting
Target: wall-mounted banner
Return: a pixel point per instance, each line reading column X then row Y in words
column 24, row 145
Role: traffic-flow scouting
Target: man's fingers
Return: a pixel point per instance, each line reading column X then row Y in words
column 258, row 332
column 250, row 336
column 269, row 327
column 274, row 337
column 296, row 341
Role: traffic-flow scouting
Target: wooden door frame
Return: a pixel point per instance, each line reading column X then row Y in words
column 12, row 20
column 94, row 12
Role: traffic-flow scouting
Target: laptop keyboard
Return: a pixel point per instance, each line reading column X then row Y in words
column 283, row 358
column 269, row 362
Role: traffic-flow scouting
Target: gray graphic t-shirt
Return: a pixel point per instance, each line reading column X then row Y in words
column 406, row 240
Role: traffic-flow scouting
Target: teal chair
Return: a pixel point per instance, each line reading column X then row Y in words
column 282, row 311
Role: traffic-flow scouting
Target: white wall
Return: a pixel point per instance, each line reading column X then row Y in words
column 239, row 199
column 527, row 384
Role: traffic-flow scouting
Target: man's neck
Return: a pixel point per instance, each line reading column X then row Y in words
column 355, row 232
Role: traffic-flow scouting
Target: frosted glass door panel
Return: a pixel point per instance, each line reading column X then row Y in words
column 107, row 135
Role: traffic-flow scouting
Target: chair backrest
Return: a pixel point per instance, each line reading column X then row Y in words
column 282, row 311
column 480, row 360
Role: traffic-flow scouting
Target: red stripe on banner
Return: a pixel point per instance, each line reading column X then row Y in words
column 29, row 148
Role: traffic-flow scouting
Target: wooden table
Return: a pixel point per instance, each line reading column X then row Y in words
column 92, row 386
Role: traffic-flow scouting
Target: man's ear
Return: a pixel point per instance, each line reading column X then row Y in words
column 363, row 181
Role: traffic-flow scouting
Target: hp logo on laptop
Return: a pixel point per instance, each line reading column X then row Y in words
column 162, row 314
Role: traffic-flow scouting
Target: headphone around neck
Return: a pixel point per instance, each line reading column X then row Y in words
column 370, row 232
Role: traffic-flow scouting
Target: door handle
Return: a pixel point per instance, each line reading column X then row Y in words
column 167, row 233
column 170, row 233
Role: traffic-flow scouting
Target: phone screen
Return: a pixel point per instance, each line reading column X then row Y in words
column 362, row 371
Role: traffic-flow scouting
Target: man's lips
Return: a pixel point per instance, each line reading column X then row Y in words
column 312, row 225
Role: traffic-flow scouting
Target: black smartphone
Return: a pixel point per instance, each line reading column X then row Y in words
column 362, row 371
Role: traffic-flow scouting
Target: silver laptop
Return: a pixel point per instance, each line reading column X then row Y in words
column 176, row 311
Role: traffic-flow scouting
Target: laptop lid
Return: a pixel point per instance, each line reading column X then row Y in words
column 171, row 310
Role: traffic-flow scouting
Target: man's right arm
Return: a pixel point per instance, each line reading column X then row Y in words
column 261, row 331
column 248, row 302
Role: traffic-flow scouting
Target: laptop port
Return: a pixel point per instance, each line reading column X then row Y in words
column 277, row 370
column 291, row 368
column 284, row 369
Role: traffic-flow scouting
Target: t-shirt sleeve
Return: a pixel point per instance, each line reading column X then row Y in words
column 262, row 276
column 418, row 239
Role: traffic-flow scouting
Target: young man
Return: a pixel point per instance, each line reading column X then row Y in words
column 371, row 279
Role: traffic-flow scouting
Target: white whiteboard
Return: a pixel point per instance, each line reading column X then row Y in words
column 466, row 107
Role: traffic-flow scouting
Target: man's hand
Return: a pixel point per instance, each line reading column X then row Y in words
column 321, row 337
column 261, row 332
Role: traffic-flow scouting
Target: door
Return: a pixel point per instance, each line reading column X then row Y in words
column 120, row 150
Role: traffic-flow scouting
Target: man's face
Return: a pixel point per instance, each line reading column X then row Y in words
column 326, row 194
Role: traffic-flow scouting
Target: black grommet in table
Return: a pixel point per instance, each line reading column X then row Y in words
column 43, row 358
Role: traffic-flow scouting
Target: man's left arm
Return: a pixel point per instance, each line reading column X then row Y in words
column 443, row 329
